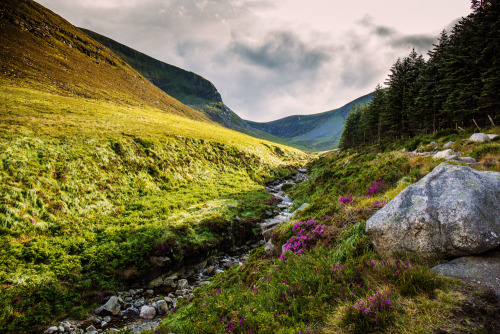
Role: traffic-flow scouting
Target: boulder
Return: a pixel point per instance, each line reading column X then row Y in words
column 443, row 154
column 156, row 282
column 468, row 160
column 112, row 306
column 159, row 261
column 448, row 144
column 147, row 312
column 480, row 137
column 452, row 211
column 131, row 312
column 139, row 302
column 51, row 330
column 483, row 269
column 433, row 143
column 492, row 136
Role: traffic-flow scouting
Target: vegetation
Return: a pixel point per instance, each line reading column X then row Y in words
column 456, row 88
column 324, row 275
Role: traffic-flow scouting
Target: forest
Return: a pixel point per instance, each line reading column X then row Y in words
column 457, row 87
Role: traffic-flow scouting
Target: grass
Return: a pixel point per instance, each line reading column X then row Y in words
column 91, row 189
column 324, row 273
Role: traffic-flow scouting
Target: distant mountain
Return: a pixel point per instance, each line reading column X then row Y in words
column 187, row 87
column 316, row 132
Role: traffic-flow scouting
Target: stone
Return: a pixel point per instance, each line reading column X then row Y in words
column 210, row 271
column 181, row 293
column 452, row 157
column 161, row 306
column 113, row 330
column 156, row 282
column 139, row 302
column 492, row 136
column 104, row 324
column 182, row 284
column 131, row 312
column 448, row 144
column 468, row 160
column 480, row 137
column 150, row 292
column 60, row 329
column 90, row 328
column 170, row 281
column 452, row 211
column 443, row 154
column 107, row 319
column 302, row 170
column 147, row 312
column 483, row 269
column 433, row 143
column 112, row 306
column 52, row 329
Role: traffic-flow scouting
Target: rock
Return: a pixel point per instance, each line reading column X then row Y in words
column 149, row 292
column 452, row 157
column 60, row 329
column 492, row 136
column 170, row 281
column 482, row 269
column 302, row 170
column 107, row 319
column 468, row 160
column 210, row 271
column 480, row 137
column 182, row 284
column 452, row 211
column 90, row 328
column 443, row 154
column 156, row 282
column 113, row 330
column 131, row 312
column 181, row 293
column 139, row 302
column 433, row 143
column 448, row 144
column 104, row 324
column 161, row 306
column 168, row 300
column 159, row 261
column 112, row 306
column 52, row 329
column 147, row 312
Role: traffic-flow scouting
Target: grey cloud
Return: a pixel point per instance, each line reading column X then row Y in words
column 421, row 42
column 281, row 50
column 384, row 31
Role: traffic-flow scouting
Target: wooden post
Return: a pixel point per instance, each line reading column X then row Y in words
column 491, row 120
column 476, row 124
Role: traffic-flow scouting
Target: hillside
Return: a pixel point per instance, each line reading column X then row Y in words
column 316, row 132
column 100, row 170
column 187, row 87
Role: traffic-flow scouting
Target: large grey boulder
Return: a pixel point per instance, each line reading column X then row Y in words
column 483, row 269
column 480, row 137
column 452, row 211
column 443, row 154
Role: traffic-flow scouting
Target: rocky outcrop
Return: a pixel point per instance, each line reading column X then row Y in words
column 484, row 269
column 452, row 211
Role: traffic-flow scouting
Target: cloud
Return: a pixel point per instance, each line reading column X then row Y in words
column 281, row 50
column 384, row 31
column 420, row 42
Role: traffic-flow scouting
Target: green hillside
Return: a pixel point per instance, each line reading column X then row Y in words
column 316, row 132
column 187, row 87
column 99, row 168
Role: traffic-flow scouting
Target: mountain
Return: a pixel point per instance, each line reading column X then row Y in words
column 101, row 171
column 187, row 87
column 316, row 132
column 57, row 56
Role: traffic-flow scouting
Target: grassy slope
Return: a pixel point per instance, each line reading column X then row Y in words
column 317, row 132
column 99, row 169
column 188, row 87
column 320, row 288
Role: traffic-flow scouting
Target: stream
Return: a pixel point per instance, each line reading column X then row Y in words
column 144, row 308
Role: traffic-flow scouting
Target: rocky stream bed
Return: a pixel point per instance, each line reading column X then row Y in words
column 141, row 308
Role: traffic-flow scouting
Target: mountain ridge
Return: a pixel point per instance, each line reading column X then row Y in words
column 316, row 132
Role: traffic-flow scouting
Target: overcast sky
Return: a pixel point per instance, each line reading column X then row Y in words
column 273, row 58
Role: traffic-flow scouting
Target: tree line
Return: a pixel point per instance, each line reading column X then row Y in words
column 457, row 87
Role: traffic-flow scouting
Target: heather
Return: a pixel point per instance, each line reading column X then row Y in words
column 323, row 275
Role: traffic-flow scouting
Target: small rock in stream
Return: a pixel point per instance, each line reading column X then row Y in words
column 147, row 312
column 182, row 284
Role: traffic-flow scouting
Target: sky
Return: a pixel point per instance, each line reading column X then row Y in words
column 273, row 58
